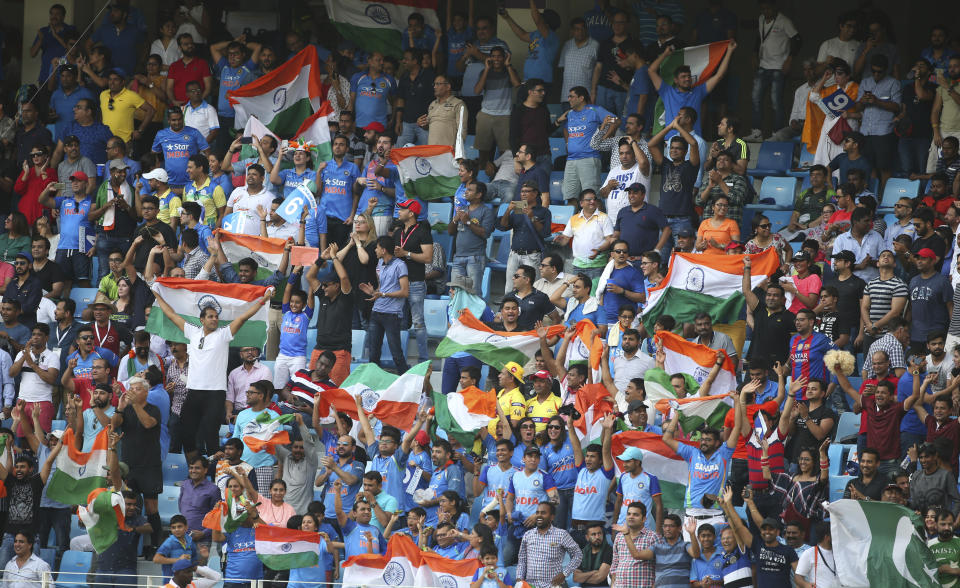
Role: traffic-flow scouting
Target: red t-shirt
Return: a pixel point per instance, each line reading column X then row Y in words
column 83, row 387
column 775, row 452
column 951, row 431
column 873, row 382
column 770, row 407
column 941, row 206
column 181, row 73
column 840, row 218
column 883, row 426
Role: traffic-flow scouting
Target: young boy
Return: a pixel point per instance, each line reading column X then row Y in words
column 415, row 528
column 491, row 575
column 297, row 312
column 177, row 546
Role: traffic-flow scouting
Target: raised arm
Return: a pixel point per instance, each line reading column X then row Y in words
column 654, row 70
column 669, row 429
column 738, row 417
column 722, row 69
column 746, row 287
column 236, row 323
column 176, row 318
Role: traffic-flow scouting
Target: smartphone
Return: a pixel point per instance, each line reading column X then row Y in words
column 246, row 140
column 523, row 205
column 59, row 186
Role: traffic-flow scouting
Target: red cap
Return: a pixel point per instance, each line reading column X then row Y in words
column 422, row 438
column 79, row 175
column 375, row 126
column 542, row 375
column 926, row 252
column 733, row 245
column 411, row 205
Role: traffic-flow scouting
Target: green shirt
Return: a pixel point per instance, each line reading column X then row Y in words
column 946, row 552
column 388, row 504
column 9, row 248
column 108, row 285
column 811, row 203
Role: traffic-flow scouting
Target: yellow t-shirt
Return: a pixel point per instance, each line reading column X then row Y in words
column 513, row 404
column 211, row 197
column 118, row 111
column 169, row 206
column 541, row 412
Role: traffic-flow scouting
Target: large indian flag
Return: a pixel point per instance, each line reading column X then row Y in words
column 283, row 98
column 405, row 565
column 378, row 26
column 280, row 548
column 658, row 460
column 496, row 348
column 103, row 517
column 266, row 251
column 315, row 133
column 78, row 473
column 189, row 297
column 463, row 413
column 878, row 545
column 707, row 283
column 703, row 61
column 391, row 398
column 428, row 172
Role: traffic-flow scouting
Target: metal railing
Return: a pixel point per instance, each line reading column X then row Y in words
column 77, row 579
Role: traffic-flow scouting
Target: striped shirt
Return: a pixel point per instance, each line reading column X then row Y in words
column 774, row 456
column 739, row 150
column 672, row 568
column 630, row 571
column 736, row 570
column 541, row 556
column 882, row 293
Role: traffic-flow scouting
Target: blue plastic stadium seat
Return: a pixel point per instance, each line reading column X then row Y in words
column 358, row 346
column 168, row 504
column 435, row 315
column 806, row 160
column 848, row 428
column 776, row 193
column 74, row 568
column 48, row 554
column 558, row 147
column 555, row 109
column 174, row 469
column 560, row 214
column 500, row 240
column 386, row 358
column 445, row 241
column 774, row 159
column 439, row 212
column 485, row 283
column 778, row 219
column 897, row 188
column 837, row 485
column 835, row 455
column 83, row 297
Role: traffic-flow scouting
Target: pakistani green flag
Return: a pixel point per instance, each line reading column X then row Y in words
column 877, row 545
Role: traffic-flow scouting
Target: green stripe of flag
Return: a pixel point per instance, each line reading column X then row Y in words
column 384, row 40
column 684, row 305
column 444, row 420
column 253, row 333
column 432, row 187
column 305, row 559
column 67, row 490
column 488, row 353
column 288, row 120
column 672, row 494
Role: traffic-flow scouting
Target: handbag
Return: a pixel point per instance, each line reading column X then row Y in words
column 839, row 129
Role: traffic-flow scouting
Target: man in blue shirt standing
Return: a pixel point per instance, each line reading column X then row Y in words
column 120, row 37
column 340, row 191
column 66, row 97
column 582, row 170
column 50, row 40
column 232, row 72
column 77, row 235
column 371, row 91
column 542, row 43
column 388, row 302
column 418, row 34
column 176, row 144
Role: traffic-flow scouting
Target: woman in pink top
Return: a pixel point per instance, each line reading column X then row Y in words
column 804, row 285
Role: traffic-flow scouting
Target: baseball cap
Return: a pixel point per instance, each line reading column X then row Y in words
column 411, row 205
column 733, row 245
column 686, row 233
column 770, row 522
column 635, row 187
column 79, row 175
column 118, row 164
column 375, row 126
column 69, row 67
column 26, row 255
column 58, row 433
column 515, row 369
column 636, row 405
column 926, row 252
column 532, row 450
column 541, row 375
column 71, row 139
column 845, row 255
column 159, row 174
column 800, row 256
column 422, row 438
column 119, row 72
column 182, row 564
column 631, row 453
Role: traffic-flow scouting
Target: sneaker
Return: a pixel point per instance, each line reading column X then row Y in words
column 755, row 136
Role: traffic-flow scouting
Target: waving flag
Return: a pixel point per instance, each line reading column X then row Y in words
column 428, row 172
column 405, row 565
column 227, row 516
column 103, row 517
column 392, row 399
column 658, row 460
column 703, row 61
column 265, row 432
column 188, row 297
column 877, row 545
column 283, row 98
column 78, row 473
column 266, row 251
column 707, row 283
column 315, row 134
column 586, row 346
column 463, row 413
column 496, row 348
column 697, row 360
column 593, row 403
column 280, row 548
column 378, row 25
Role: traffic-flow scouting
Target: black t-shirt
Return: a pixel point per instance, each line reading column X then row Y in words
column 773, row 564
column 607, row 56
column 140, row 446
column 873, row 490
column 23, row 497
column 413, row 241
column 50, row 274
column 417, row 94
column 848, row 304
column 771, row 333
column 334, row 321
column 935, row 242
column 592, row 561
column 827, row 323
column 533, row 308
column 143, row 252
column 803, row 438
column 676, row 188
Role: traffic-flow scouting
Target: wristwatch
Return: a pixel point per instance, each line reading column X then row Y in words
column 408, row 255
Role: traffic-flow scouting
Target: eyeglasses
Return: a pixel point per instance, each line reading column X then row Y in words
column 589, row 200
column 20, row 262
column 342, row 444
column 517, row 276
column 721, row 205
column 764, row 226
column 623, row 251
column 527, row 426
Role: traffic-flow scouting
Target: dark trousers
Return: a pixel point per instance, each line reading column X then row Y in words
column 386, row 324
column 337, row 231
column 739, row 477
column 451, row 371
column 57, row 520
column 203, row 412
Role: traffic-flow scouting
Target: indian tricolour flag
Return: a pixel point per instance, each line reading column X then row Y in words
column 315, row 132
column 428, row 172
column 189, row 297
column 707, row 283
column 405, row 565
column 878, row 545
column 103, row 517
column 593, row 403
column 378, row 25
column 266, row 251
column 658, row 460
column 78, row 473
column 227, row 516
column 266, row 432
column 496, row 348
column 391, row 398
column 283, row 98
column 703, row 61
column 463, row 413
column 280, row 548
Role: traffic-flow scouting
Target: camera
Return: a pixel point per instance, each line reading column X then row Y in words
column 570, row 411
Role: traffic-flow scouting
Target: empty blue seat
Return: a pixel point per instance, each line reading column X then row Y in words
column 48, row 554
column 778, row 219
column 835, row 455
column 806, row 160
column 558, row 147
column 837, row 485
column 439, row 212
column 358, row 346
column 82, row 297
column 560, row 214
column 175, row 469
column 58, row 425
column 498, row 248
column 168, row 504
column 774, row 159
column 386, row 358
column 75, row 529
column 555, row 109
column 485, row 283
column 897, row 188
column 848, row 428
column 776, row 193
column 74, row 567
column 435, row 315
column 445, row 241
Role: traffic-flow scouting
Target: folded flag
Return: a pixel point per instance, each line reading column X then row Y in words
column 393, row 399
column 283, row 98
column 593, row 403
column 586, row 345
column 703, row 61
column 265, row 432
column 658, row 460
column 266, row 251
column 78, row 473
column 103, row 517
column 496, row 348
column 227, row 516
column 707, row 283
column 379, row 25
column 697, row 411
column 877, row 545
column 189, row 297
column 405, row 565
column 428, row 172
column 463, row 413
column 280, row 548
column 314, row 134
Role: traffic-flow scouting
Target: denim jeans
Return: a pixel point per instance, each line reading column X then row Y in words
column 113, row 579
column 501, row 189
column 611, row 99
column 470, row 265
column 564, row 508
column 418, row 291
column 580, row 174
column 57, row 520
column 913, row 154
column 383, row 324
column 412, row 133
column 591, row 272
column 451, row 372
column 106, row 245
column 676, row 224
column 772, row 79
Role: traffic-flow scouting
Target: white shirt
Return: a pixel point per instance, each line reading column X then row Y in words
column 32, row 388
column 167, row 55
column 587, row 233
column 242, row 201
column 617, row 198
column 845, row 50
column 799, row 109
column 213, row 357
column 203, row 118
column 505, row 169
column 283, row 231
column 625, row 369
column 822, row 573
column 871, row 244
column 775, row 41
column 28, row 576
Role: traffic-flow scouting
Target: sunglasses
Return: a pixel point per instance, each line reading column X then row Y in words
column 37, row 154
column 517, row 276
column 85, row 337
column 621, row 251
column 20, row 262
column 527, row 426
column 764, row 226
column 110, row 104
column 554, row 427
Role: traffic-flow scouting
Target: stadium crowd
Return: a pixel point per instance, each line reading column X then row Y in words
column 122, row 163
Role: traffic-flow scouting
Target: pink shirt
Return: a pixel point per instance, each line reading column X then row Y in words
column 239, row 381
column 806, row 286
column 275, row 516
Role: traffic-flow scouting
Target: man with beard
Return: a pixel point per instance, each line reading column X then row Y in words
column 115, row 214
column 188, row 68
column 246, row 199
column 258, row 395
column 241, row 378
column 946, row 549
column 177, row 144
column 414, row 245
column 107, row 334
column 25, row 288
column 66, row 96
column 447, row 475
column 379, row 178
column 339, row 192
column 298, row 467
column 141, row 359
column 597, row 558
column 83, row 370
column 229, row 460
column 65, row 330
column 931, row 486
column 39, row 370
column 341, row 478
column 89, row 422
column 23, row 494
column 634, row 167
column 358, row 150
column 633, row 363
column 542, row 550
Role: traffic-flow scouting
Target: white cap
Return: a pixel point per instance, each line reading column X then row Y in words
column 158, row 174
